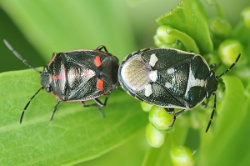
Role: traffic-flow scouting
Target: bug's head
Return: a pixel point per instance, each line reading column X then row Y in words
column 46, row 79
column 212, row 80
column 212, row 84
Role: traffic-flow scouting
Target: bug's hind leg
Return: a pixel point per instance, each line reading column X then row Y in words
column 171, row 111
column 97, row 103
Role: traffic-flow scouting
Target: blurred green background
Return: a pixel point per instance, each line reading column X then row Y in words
column 37, row 28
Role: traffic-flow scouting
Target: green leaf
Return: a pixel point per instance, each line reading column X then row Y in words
column 76, row 134
column 65, row 25
column 134, row 150
column 232, row 119
column 190, row 18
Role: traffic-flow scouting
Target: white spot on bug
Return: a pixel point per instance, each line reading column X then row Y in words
column 88, row 73
column 153, row 60
column 195, row 82
column 79, row 74
column 168, row 85
column 192, row 81
column 148, row 90
column 170, row 70
column 153, row 75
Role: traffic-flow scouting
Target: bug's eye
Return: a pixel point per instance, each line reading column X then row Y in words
column 48, row 89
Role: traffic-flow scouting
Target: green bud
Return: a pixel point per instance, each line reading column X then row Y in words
column 162, row 39
column 186, row 40
column 163, row 36
column 181, row 156
column 146, row 107
column 246, row 16
column 168, row 37
column 155, row 137
column 160, row 118
column 229, row 50
column 160, row 44
column 220, row 27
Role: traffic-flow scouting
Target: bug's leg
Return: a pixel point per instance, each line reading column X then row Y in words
column 87, row 105
column 175, row 116
column 213, row 66
column 102, row 47
column 212, row 114
column 169, row 110
column 205, row 103
column 26, row 106
column 54, row 111
column 98, row 103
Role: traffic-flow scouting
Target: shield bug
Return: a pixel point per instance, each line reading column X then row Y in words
column 77, row 76
column 169, row 78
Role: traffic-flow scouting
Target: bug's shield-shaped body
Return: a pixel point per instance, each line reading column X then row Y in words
column 80, row 75
column 165, row 77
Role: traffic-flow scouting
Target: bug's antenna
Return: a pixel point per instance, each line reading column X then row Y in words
column 26, row 106
column 238, row 57
column 214, row 108
column 212, row 114
column 19, row 56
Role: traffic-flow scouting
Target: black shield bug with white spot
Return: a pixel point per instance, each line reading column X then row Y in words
column 77, row 76
column 169, row 78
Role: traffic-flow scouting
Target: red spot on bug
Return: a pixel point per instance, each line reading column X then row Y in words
column 97, row 61
column 99, row 84
column 60, row 76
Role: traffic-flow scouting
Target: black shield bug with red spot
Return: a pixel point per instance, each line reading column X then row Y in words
column 77, row 76
column 169, row 78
